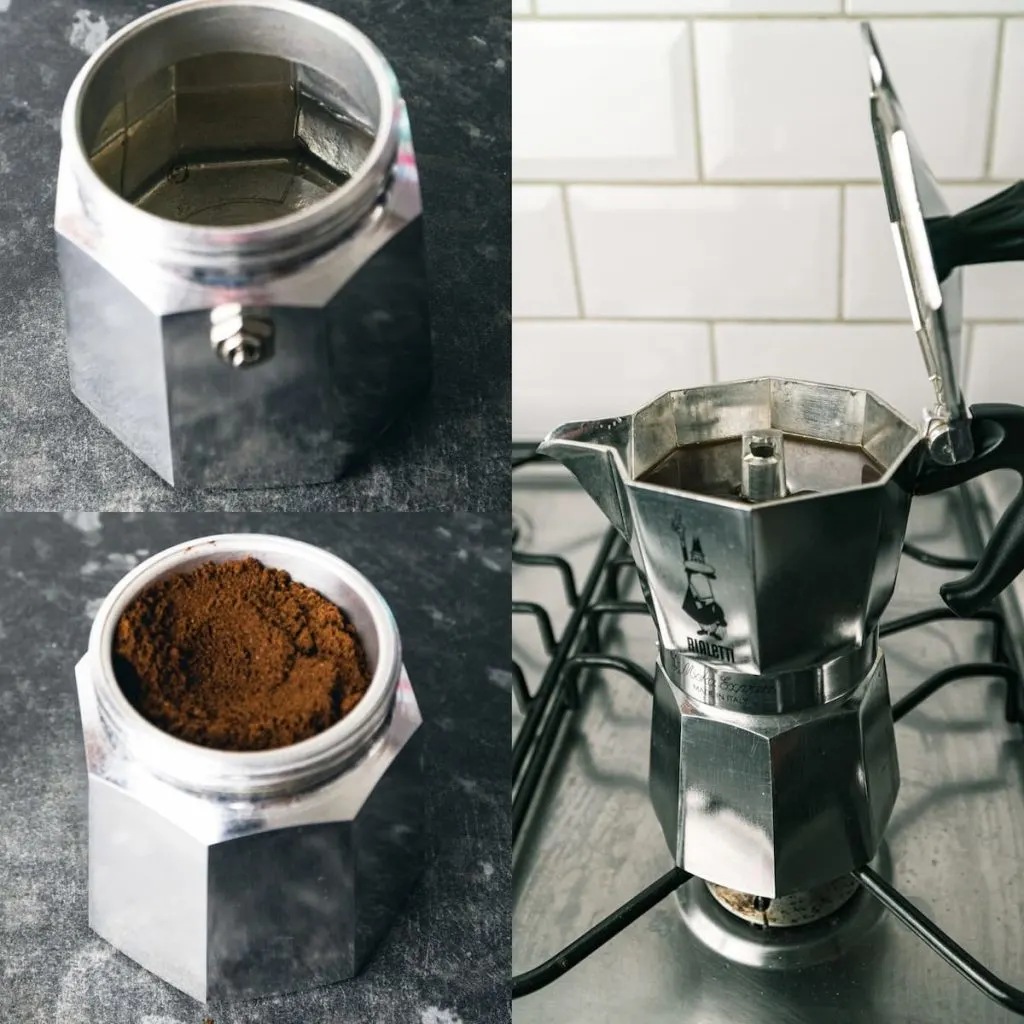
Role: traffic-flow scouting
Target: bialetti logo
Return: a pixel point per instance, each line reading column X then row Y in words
column 715, row 652
column 699, row 602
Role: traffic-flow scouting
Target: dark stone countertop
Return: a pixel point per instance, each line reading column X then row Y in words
column 453, row 59
column 447, row 959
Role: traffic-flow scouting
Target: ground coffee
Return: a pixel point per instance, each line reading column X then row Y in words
column 237, row 656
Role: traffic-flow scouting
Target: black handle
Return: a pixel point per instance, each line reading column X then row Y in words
column 998, row 432
column 991, row 232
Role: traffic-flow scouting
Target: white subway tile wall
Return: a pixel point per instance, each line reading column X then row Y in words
column 929, row 7
column 872, row 287
column 706, row 251
column 542, row 281
column 587, row 7
column 995, row 347
column 624, row 93
column 880, row 357
column 786, row 99
column 1008, row 149
column 625, row 364
column 695, row 195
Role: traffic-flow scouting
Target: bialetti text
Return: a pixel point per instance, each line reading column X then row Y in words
column 706, row 649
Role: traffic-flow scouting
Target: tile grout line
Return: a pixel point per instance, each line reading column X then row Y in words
column 563, row 195
column 796, row 320
column 842, row 253
column 698, row 146
column 712, row 351
column 752, row 183
column 843, row 16
column 993, row 115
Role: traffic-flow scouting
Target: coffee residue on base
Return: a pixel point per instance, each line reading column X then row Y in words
column 237, row 656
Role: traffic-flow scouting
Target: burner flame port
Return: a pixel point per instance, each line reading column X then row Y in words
column 792, row 911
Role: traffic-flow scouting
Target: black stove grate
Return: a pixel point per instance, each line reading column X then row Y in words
column 577, row 650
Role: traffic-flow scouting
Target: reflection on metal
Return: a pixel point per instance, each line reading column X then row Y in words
column 219, row 154
column 591, row 808
column 764, row 465
column 241, row 337
column 826, row 938
column 767, row 538
column 793, row 911
column 774, row 805
column 238, row 875
column 936, row 307
column 797, row 581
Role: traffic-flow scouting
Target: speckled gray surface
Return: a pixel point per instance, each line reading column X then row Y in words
column 453, row 60
column 447, row 960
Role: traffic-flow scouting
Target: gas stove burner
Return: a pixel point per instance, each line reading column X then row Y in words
column 792, row 911
column 593, row 655
column 803, row 929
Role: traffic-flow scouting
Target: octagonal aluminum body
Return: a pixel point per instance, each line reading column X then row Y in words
column 342, row 281
column 795, row 581
column 774, row 804
column 234, row 876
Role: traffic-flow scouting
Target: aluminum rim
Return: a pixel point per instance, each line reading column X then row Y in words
column 285, row 237
column 281, row 769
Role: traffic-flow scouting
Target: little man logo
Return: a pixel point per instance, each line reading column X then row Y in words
column 699, row 602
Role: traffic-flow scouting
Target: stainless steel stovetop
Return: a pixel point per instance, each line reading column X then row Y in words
column 955, row 842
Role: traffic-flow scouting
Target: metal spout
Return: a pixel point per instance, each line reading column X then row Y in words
column 596, row 452
column 764, row 466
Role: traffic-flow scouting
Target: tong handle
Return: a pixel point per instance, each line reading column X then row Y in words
column 990, row 232
column 998, row 435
